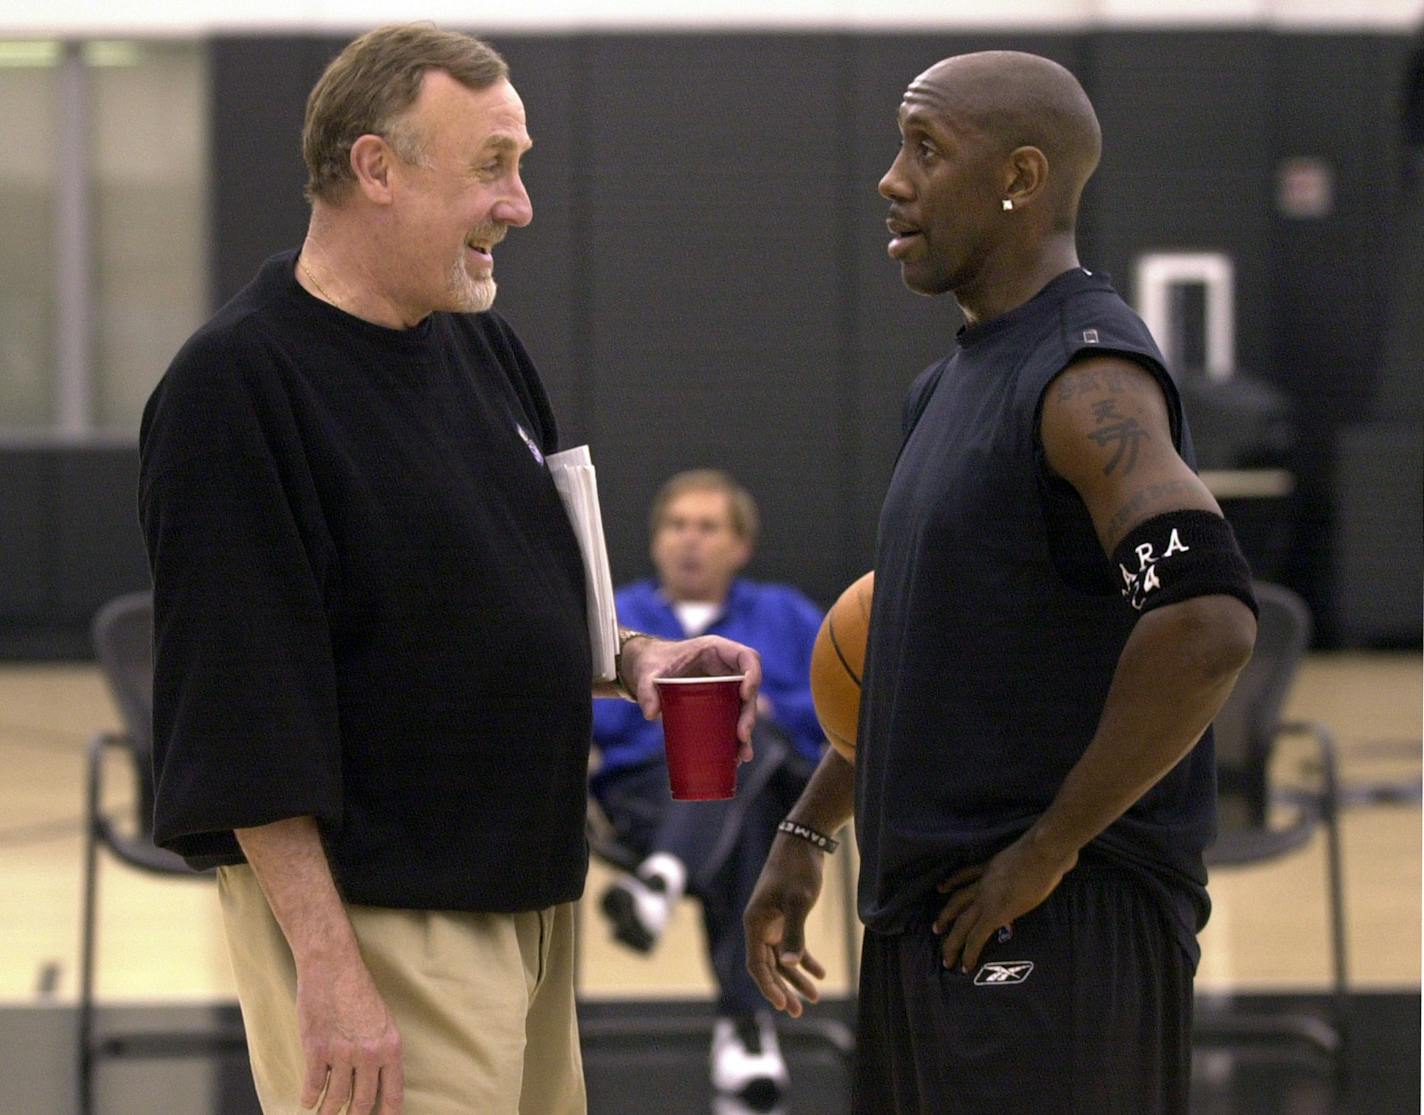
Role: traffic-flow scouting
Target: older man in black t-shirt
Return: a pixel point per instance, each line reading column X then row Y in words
column 1059, row 612
column 372, row 673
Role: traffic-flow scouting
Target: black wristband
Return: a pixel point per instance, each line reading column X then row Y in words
column 1181, row 554
column 808, row 834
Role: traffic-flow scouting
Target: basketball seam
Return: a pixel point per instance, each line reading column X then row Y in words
column 836, row 646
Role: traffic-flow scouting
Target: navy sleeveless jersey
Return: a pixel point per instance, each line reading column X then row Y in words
column 996, row 626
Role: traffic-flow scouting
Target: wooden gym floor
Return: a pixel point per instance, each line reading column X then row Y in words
column 161, row 941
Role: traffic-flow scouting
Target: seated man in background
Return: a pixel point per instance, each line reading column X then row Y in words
column 703, row 527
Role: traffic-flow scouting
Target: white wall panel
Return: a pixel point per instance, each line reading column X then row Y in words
column 1346, row 13
column 1184, row 13
column 25, row 18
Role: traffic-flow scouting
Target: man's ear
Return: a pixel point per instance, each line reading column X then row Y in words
column 1028, row 176
column 744, row 555
column 372, row 161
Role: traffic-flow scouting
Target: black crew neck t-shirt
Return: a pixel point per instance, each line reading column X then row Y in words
column 369, row 603
column 997, row 625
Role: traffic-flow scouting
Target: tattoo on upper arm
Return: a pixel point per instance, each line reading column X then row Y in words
column 1099, row 379
column 1128, row 511
column 1123, row 434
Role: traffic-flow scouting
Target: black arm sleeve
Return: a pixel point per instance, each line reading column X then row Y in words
column 1181, row 554
column 245, row 723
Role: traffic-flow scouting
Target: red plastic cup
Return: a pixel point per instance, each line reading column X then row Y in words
column 700, row 735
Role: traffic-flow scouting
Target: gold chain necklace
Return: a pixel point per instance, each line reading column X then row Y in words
column 302, row 263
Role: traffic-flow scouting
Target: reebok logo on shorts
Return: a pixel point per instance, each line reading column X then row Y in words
column 1003, row 973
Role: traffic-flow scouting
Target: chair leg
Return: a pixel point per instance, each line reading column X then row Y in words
column 85, row 1038
column 1330, row 808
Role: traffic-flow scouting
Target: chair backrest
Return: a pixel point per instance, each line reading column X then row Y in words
column 122, row 633
column 1246, row 726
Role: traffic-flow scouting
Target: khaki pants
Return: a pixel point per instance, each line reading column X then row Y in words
column 484, row 1003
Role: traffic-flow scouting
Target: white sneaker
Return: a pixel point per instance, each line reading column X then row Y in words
column 640, row 906
column 746, row 1061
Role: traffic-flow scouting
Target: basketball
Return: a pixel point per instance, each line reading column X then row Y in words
column 837, row 661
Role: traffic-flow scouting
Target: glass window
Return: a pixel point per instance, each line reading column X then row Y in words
column 29, row 93
column 149, row 151
column 145, row 158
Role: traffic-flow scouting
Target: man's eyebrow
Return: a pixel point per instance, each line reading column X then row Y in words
column 931, row 121
column 508, row 143
column 912, row 123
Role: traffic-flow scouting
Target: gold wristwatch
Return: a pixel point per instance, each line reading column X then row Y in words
column 625, row 636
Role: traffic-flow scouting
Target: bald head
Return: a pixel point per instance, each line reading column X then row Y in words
column 1020, row 100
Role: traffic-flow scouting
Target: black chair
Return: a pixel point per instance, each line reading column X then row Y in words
column 123, row 640
column 1260, row 822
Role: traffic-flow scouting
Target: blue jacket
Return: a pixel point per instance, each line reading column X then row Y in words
column 776, row 620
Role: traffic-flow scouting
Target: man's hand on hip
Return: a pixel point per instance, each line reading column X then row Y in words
column 988, row 897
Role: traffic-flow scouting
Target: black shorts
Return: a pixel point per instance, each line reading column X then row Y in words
column 1085, row 1008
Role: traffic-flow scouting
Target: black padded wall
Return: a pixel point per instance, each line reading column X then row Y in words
column 71, row 541
column 540, row 269
column 259, row 90
column 1186, row 161
column 705, row 281
column 712, row 328
column 1332, row 280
